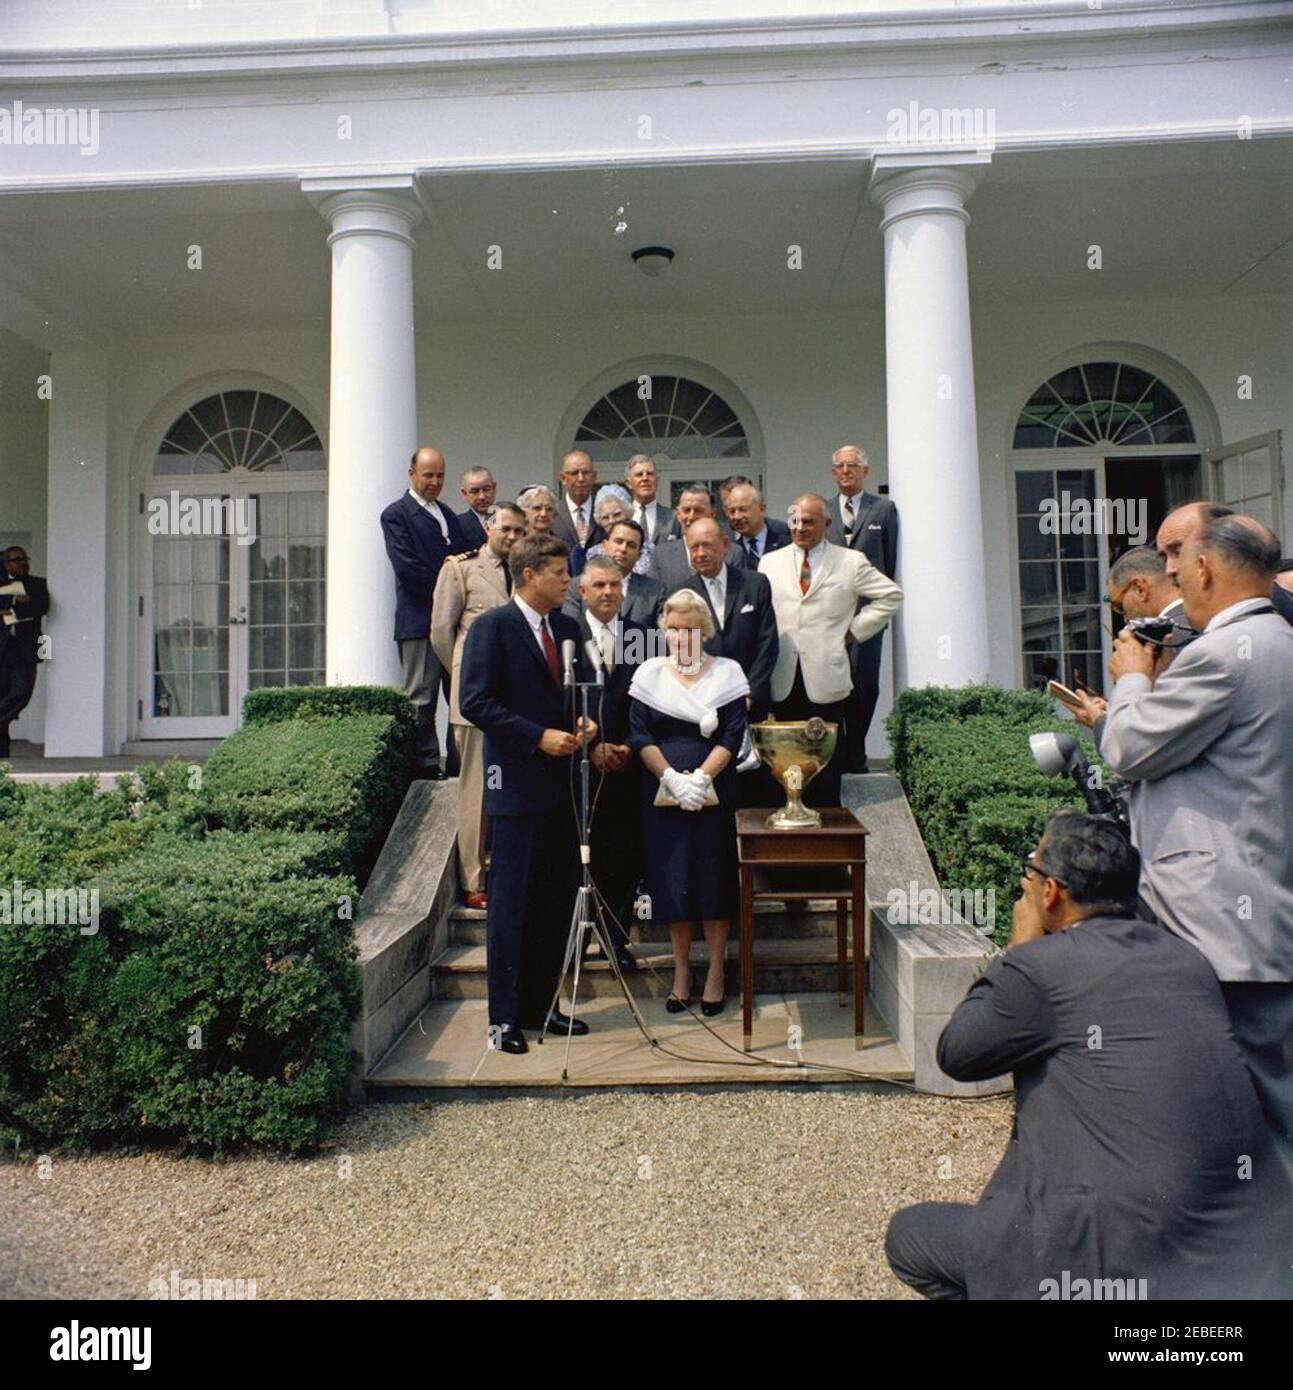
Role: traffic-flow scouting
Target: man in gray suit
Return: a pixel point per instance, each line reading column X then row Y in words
column 1208, row 748
column 1133, row 1109
column 670, row 563
column 867, row 522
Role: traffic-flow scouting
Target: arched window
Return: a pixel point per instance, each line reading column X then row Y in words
column 249, row 430
column 669, row 415
column 1102, row 403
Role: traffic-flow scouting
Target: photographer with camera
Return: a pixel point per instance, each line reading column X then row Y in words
column 1207, row 746
column 1132, row 1105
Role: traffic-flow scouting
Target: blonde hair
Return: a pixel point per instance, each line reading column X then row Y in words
column 689, row 601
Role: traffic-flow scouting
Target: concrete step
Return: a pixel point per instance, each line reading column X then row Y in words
column 772, row 922
column 445, row 1047
column 793, row 966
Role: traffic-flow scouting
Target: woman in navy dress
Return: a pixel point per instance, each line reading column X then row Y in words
column 687, row 719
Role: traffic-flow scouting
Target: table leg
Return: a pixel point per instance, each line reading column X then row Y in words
column 747, row 956
column 841, row 947
column 859, row 954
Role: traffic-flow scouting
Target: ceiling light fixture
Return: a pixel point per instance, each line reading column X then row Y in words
column 653, row 260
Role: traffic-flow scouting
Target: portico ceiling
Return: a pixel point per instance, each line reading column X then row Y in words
column 1199, row 219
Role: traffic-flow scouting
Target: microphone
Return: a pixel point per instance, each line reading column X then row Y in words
column 568, row 661
column 594, row 654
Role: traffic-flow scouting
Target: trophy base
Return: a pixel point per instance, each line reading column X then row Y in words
column 794, row 816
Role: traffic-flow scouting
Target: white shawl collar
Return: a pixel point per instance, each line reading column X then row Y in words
column 655, row 685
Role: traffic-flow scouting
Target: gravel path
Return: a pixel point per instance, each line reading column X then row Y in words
column 755, row 1193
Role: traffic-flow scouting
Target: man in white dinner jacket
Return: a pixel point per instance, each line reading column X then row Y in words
column 815, row 591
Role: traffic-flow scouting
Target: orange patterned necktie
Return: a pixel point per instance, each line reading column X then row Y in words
column 805, row 574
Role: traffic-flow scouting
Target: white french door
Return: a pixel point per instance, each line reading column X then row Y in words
column 220, row 614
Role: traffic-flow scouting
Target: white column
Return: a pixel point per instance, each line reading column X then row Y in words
column 76, row 675
column 933, row 445
column 372, row 412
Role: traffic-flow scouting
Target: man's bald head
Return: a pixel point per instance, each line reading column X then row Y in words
column 426, row 472
column 1225, row 560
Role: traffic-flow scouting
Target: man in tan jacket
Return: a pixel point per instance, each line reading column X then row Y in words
column 470, row 585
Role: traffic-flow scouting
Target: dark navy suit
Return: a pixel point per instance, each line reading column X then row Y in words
column 19, row 651
column 417, row 549
column 472, row 528
column 506, row 688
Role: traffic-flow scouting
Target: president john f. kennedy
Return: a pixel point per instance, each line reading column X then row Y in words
column 511, row 686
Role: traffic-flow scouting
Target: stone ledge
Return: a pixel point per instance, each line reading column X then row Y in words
column 403, row 921
column 919, row 971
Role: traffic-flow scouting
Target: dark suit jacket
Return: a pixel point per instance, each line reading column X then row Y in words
column 27, row 633
column 565, row 528
column 416, row 548
column 1283, row 601
column 506, row 689
column 1132, row 1102
column 614, row 723
column 640, row 604
column 778, row 535
column 747, row 631
column 875, row 533
column 472, row 528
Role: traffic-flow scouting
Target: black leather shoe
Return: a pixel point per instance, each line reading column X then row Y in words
column 512, row 1040
column 709, row 1010
column 561, row 1026
column 626, row 961
column 676, row 1005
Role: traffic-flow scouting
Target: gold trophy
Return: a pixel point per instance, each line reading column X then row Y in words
column 794, row 752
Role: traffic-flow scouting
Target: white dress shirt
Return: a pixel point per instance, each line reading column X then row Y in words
column 1244, row 605
column 718, row 592
column 580, row 509
column 644, row 515
column 601, row 631
column 537, row 623
column 434, row 509
column 815, row 557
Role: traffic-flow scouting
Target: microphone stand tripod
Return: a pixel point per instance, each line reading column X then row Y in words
column 589, row 914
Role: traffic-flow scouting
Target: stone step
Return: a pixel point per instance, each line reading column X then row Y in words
column 796, row 966
column 772, row 922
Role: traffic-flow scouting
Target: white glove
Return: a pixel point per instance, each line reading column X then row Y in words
column 696, row 793
column 676, row 783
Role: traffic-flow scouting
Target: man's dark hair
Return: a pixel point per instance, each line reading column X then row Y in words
column 14, row 550
column 697, row 487
column 533, row 553
column 1093, row 858
column 1140, row 561
column 506, row 507
column 1243, row 543
column 628, row 521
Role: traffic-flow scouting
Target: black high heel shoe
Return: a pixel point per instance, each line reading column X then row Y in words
column 710, row 1010
column 676, row 1005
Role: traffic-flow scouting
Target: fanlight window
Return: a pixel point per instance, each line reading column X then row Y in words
column 240, row 429
column 662, row 415
column 1102, row 403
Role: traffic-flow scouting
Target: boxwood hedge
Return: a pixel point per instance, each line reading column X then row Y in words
column 211, row 1004
column 977, row 796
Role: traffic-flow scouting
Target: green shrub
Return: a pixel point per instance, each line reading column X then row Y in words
column 238, row 936
column 272, row 704
column 345, row 777
column 978, row 798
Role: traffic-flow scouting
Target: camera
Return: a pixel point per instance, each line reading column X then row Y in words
column 1154, row 632
column 1056, row 754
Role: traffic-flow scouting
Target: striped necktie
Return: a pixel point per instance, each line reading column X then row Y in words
column 805, row 573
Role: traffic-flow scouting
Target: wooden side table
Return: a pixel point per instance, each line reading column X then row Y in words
column 826, row 861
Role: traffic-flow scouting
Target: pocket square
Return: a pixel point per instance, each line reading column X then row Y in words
column 749, row 608
column 874, row 526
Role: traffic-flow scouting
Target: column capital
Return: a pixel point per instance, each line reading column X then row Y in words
column 912, row 183
column 386, row 205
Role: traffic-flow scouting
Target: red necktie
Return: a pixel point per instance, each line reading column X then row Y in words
column 550, row 651
column 805, row 575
